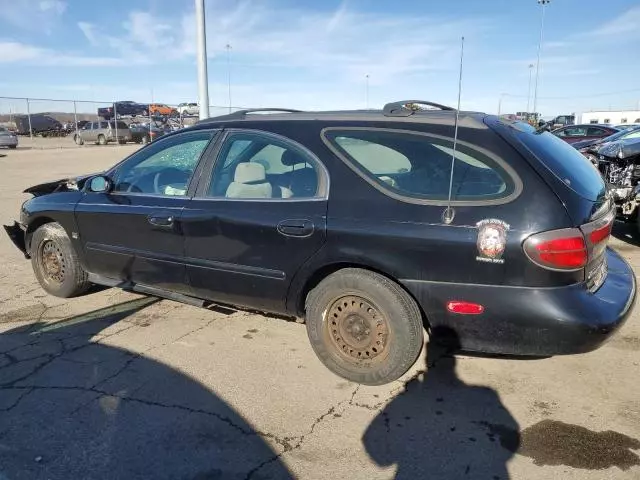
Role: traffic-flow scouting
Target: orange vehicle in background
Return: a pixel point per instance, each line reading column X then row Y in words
column 161, row 109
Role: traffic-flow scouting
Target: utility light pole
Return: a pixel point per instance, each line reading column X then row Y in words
column 529, row 88
column 366, row 91
column 203, row 79
column 543, row 3
column 228, row 47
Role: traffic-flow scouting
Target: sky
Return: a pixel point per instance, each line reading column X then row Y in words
column 317, row 54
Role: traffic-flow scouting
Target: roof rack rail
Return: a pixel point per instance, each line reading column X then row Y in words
column 242, row 113
column 400, row 109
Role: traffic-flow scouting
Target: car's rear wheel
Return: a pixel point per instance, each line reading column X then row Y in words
column 102, row 140
column 363, row 326
column 78, row 140
column 55, row 263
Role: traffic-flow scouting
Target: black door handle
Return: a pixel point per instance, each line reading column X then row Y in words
column 163, row 221
column 296, row 228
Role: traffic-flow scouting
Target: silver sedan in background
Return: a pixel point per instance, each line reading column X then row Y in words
column 8, row 138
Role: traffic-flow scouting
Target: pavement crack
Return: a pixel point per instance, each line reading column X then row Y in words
column 18, row 400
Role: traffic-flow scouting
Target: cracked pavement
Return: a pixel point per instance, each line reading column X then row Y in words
column 117, row 385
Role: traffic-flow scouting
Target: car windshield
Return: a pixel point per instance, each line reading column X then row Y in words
column 620, row 135
column 564, row 161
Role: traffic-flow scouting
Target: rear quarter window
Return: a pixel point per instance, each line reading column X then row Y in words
column 564, row 161
column 416, row 167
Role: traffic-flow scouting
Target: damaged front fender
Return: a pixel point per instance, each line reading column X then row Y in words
column 17, row 235
column 64, row 185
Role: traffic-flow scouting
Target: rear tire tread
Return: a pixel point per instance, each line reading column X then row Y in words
column 404, row 317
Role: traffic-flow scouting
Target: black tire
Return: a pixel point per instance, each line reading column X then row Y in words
column 78, row 140
column 13, row 147
column 381, row 323
column 102, row 140
column 55, row 263
column 122, row 142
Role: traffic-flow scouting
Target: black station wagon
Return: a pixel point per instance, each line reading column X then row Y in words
column 372, row 226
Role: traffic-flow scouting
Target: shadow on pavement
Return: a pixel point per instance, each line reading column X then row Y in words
column 442, row 427
column 74, row 408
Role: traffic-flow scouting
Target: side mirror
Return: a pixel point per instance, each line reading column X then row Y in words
column 99, row 184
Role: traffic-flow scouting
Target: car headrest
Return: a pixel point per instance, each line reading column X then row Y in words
column 291, row 158
column 249, row 173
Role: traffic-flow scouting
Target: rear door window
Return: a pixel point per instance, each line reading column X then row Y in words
column 564, row 161
column 596, row 132
column 416, row 167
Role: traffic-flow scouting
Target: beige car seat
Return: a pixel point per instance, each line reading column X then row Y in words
column 249, row 181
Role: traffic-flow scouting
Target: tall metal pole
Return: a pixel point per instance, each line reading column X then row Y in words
column 203, row 80
column 75, row 115
column 29, row 118
column 367, row 90
column 228, row 47
column 529, row 88
column 500, row 103
column 535, row 91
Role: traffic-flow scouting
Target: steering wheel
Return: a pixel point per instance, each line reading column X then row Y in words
column 171, row 172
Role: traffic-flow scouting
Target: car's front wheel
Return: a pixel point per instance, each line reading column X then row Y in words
column 363, row 326
column 78, row 140
column 55, row 263
column 102, row 140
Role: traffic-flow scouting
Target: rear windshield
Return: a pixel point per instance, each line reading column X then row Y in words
column 564, row 161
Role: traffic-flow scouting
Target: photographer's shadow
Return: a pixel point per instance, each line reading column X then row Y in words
column 442, row 428
column 72, row 407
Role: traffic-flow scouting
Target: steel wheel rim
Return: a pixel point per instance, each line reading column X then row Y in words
column 52, row 262
column 357, row 330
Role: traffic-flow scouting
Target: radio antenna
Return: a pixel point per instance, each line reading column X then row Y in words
column 449, row 212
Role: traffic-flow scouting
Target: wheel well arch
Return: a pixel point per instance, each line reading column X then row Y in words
column 32, row 227
column 324, row 271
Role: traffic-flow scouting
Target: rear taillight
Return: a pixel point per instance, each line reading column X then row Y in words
column 558, row 249
column 570, row 248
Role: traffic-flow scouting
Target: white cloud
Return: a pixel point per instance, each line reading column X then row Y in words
column 21, row 53
column 344, row 43
column 622, row 26
column 54, row 6
column 41, row 17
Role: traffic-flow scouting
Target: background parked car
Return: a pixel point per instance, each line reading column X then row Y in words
column 562, row 121
column 162, row 109
column 103, row 132
column 590, row 148
column 576, row 133
column 8, row 138
column 40, row 124
column 188, row 109
column 140, row 132
column 123, row 109
column 626, row 126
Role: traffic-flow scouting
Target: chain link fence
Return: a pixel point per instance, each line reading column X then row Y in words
column 46, row 117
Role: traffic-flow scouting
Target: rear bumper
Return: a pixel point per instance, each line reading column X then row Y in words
column 7, row 141
column 533, row 321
